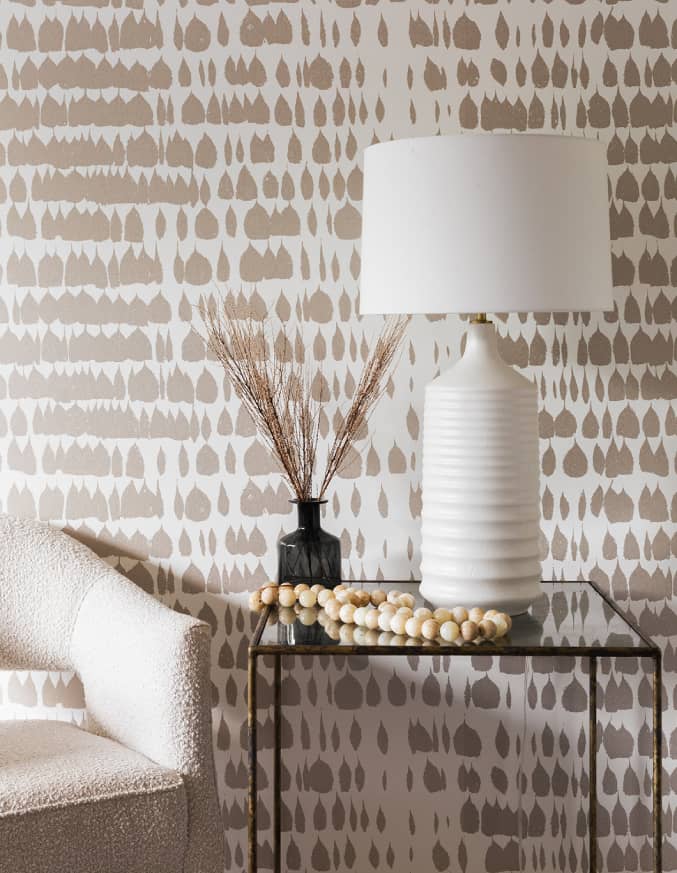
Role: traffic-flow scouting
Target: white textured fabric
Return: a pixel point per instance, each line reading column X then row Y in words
column 47, row 764
column 144, row 668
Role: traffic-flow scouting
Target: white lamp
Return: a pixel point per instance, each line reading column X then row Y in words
column 483, row 223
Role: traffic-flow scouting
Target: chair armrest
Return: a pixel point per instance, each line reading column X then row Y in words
column 145, row 671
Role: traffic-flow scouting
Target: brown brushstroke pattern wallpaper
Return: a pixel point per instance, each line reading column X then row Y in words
column 153, row 153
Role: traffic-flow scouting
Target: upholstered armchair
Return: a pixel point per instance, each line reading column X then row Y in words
column 135, row 791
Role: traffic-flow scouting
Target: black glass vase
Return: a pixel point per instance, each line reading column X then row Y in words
column 309, row 554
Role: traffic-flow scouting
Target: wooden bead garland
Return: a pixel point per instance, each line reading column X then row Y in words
column 392, row 612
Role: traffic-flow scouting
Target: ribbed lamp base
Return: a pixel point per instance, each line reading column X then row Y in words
column 481, row 502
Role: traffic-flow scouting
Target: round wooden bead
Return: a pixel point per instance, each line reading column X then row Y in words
column 423, row 613
column 346, row 633
column 487, row 629
column 407, row 599
column 430, row 629
column 449, row 631
column 359, row 616
column 371, row 618
column 442, row 615
column 459, row 614
column 346, row 613
column 317, row 587
column 507, row 619
column 475, row 614
column 363, row 598
column 342, row 596
column 384, row 619
column 393, row 596
column 324, row 596
column 469, row 631
column 333, row 629
column 308, row 616
column 340, row 587
column 286, row 596
column 308, row 598
column 501, row 626
column 255, row 601
column 332, row 608
column 387, row 607
column 269, row 595
column 302, row 586
column 491, row 613
column 398, row 623
column 413, row 626
column 377, row 596
column 405, row 610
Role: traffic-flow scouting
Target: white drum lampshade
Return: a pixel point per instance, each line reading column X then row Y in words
column 477, row 224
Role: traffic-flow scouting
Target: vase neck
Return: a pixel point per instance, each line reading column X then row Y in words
column 309, row 514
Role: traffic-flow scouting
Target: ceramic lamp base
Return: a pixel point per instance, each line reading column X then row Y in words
column 481, row 501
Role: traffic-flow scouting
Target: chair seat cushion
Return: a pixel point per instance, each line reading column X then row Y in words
column 73, row 801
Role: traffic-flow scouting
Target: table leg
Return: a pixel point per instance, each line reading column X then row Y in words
column 252, row 799
column 277, row 764
column 657, row 765
column 592, row 764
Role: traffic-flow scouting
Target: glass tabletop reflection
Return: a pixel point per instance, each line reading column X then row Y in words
column 569, row 618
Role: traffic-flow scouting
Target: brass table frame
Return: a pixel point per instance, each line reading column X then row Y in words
column 256, row 650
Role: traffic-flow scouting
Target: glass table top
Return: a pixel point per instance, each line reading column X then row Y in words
column 570, row 618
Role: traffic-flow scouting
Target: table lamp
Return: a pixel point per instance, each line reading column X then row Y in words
column 481, row 224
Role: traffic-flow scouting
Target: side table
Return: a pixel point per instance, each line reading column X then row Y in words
column 571, row 619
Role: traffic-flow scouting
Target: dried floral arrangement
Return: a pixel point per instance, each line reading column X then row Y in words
column 287, row 398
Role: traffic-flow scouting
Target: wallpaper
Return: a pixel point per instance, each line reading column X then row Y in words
column 151, row 154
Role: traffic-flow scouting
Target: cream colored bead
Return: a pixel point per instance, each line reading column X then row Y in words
column 255, row 601
column 359, row 616
column 405, row 610
column 507, row 619
column 413, row 626
column 301, row 586
column 377, row 596
column 372, row 637
column 308, row 616
column 501, row 626
column 332, row 608
column 398, row 640
column 387, row 607
column 322, row 617
column 442, row 615
column 398, row 623
column 347, row 613
column 286, row 596
column 475, row 614
column 269, row 595
column 407, row 599
column 491, row 613
column 384, row 619
column 333, row 629
column 384, row 638
column 340, row 587
column 393, row 596
column 468, row 631
column 487, row 629
column 346, row 635
column 371, row 618
column 317, row 587
column 459, row 614
column 342, row 596
column 325, row 596
column 449, row 631
column 286, row 615
column 308, row 598
column 423, row 613
column 430, row 629
column 360, row 635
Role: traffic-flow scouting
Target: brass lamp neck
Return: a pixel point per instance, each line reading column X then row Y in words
column 480, row 318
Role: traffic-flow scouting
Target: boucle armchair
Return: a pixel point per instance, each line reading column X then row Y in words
column 135, row 792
